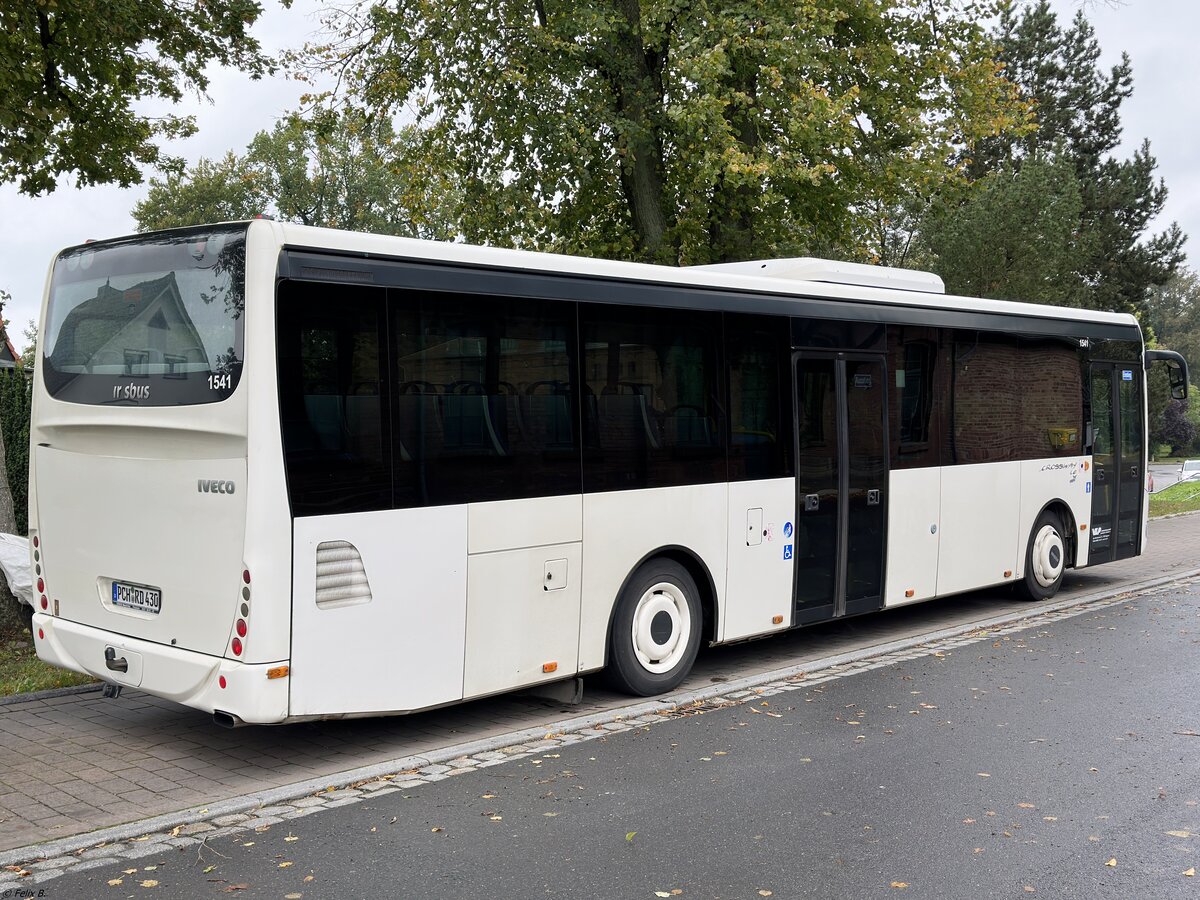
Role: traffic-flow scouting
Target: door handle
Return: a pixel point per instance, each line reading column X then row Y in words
column 114, row 664
column 1133, row 471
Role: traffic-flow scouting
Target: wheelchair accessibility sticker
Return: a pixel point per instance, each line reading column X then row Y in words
column 787, row 551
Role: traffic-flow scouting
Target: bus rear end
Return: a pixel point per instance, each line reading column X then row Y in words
column 138, row 471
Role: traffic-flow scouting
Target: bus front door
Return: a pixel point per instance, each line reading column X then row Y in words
column 841, row 485
column 1118, row 461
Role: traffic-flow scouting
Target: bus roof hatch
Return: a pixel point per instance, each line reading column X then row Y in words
column 807, row 268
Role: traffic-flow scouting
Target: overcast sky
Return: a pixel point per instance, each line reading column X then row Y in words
column 1158, row 35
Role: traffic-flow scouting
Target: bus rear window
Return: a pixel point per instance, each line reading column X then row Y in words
column 147, row 321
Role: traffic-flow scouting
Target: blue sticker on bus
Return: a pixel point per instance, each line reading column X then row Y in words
column 1127, row 375
column 787, row 551
column 1089, row 488
column 787, row 529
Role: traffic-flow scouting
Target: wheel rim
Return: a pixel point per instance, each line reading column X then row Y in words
column 1048, row 556
column 662, row 625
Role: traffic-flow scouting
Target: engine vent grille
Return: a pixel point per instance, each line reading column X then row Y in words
column 341, row 576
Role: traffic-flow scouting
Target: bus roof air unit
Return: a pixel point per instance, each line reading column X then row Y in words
column 807, row 268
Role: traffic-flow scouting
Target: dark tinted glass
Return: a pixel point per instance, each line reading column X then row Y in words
column 332, row 387
column 485, row 398
column 866, row 478
column 1013, row 398
column 148, row 321
column 817, row 482
column 652, row 397
column 760, row 397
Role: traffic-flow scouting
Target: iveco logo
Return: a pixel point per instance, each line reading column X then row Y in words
column 205, row 486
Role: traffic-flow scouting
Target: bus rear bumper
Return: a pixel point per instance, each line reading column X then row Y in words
column 182, row 676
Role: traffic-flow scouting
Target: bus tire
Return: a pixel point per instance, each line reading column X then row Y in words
column 1045, row 558
column 655, row 633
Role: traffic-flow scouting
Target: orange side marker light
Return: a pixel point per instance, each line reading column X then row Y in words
column 278, row 672
column 777, row 620
column 549, row 667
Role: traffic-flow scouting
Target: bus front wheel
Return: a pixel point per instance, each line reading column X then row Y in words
column 656, row 630
column 1045, row 559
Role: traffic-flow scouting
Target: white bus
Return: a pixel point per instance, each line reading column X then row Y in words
column 283, row 473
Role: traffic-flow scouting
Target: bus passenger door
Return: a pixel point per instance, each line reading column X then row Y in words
column 841, row 484
column 1118, row 460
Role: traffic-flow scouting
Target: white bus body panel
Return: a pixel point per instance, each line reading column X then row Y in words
column 183, row 676
column 913, row 535
column 1043, row 480
column 524, row 578
column 980, row 526
column 622, row 528
column 759, row 585
column 400, row 650
column 143, row 522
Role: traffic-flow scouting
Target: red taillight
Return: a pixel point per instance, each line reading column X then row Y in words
column 246, row 575
column 221, row 681
column 36, row 542
column 41, row 585
column 41, row 635
column 45, row 602
column 241, row 627
column 237, row 647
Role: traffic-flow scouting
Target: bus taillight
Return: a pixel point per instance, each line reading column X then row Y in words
column 241, row 627
column 237, row 646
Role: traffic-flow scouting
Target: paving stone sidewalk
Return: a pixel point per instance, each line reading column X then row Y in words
column 77, row 762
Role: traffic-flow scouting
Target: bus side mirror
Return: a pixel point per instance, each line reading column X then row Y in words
column 1177, row 370
column 1178, row 379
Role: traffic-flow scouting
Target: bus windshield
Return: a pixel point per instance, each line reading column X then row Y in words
column 148, row 321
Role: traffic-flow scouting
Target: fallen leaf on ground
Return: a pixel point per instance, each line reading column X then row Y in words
column 290, row 838
column 292, row 896
column 126, row 871
column 662, row 893
column 765, row 893
column 900, row 884
column 1189, row 872
column 1112, row 862
column 983, row 774
column 113, row 882
column 629, row 837
column 210, row 869
column 237, row 887
column 437, row 829
column 149, row 883
column 285, row 864
column 1026, row 806
column 1179, row 833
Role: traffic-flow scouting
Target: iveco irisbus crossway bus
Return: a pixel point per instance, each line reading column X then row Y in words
column 282, row 473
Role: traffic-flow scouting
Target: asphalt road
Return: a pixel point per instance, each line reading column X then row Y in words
column 1063, row 760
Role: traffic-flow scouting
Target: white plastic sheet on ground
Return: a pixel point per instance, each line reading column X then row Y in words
column 14, row 560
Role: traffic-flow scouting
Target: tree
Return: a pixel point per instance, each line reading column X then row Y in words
column 72, row 73
column 338, row 170
column 1015, row 237
column 1173, row 314
column 678, row 132
column 1077, row 105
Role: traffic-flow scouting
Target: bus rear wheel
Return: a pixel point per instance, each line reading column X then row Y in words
column 655, row 633
column 1045, row 559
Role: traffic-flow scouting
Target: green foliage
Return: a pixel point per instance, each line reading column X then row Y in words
column 22, row 672
column 1077, row 106
column 680, row 132
column 16, row 399
column 1015, row 237
column 1173, row 313
column 338, row 170
column 72, row 73
column 1178, row 498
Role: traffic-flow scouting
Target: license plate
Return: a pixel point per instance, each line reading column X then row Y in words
column 136, row 596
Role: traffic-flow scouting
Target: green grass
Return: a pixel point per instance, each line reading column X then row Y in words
column 21, row 671
column 1178, row 498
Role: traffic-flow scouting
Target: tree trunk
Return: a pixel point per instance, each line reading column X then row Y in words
column 731, row 229
column 635, row 73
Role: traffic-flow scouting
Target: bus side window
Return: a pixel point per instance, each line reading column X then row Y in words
column 332, row 399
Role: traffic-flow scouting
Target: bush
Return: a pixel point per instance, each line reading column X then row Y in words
column 16, row 398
